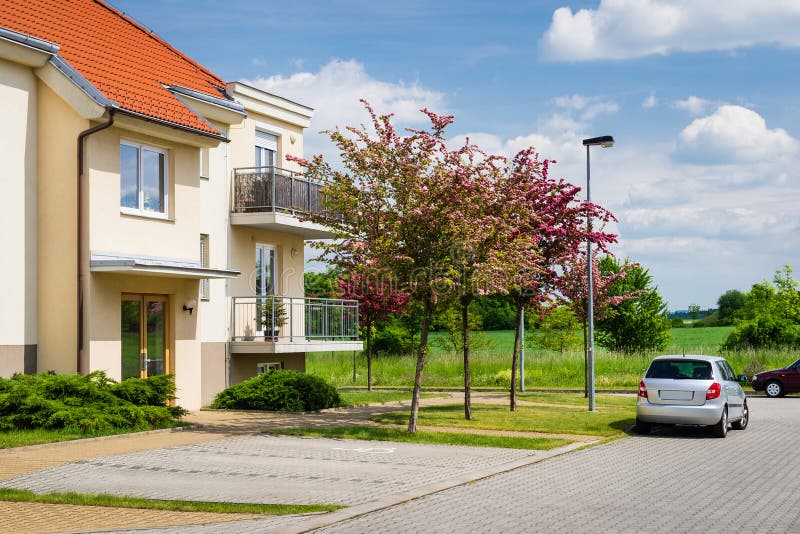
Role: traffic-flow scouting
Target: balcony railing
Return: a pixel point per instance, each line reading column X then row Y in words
column 294, row 319
column 259, row 189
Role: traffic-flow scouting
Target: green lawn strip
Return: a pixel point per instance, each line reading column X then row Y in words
column 576, row 399
column 605, row 422
column 355, row 398
column 24, row 438
column 115, row 501
column 438, row 438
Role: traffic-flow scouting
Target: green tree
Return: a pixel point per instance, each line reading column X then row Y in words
column 559, row 330
column 640, row 323
column 694, row 311
column 769, row 315
column 729, row 304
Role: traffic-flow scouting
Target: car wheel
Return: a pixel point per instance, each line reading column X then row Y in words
column 741, row 424
column 773, row 389
column 721, row 428
column 643, row 428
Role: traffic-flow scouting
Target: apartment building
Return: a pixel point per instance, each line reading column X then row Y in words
column 150, row 221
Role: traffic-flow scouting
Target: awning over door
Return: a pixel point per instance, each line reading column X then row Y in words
column 146, row 266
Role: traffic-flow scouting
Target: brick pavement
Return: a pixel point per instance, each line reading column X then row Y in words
column 66, row 465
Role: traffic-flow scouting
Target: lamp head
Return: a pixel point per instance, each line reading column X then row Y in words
column 604, row 141
column 190, row 305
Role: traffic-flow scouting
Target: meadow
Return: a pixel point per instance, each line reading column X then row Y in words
column 543, row 368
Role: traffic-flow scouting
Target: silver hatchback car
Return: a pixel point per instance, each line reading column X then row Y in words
column 691, row 390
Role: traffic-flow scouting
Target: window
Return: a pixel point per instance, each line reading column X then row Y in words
column 205, row 286
column 262, row 368
column 204, row 173
column 266, row 149
column 143, row 179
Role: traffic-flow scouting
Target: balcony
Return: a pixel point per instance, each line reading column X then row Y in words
column 272, row 198
column 277, row 324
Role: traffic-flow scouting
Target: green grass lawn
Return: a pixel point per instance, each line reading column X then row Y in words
column 438, row 438
column 116, row 501
column 356, row 398
column 543, row 369
column 577, row 399
column 606, row 421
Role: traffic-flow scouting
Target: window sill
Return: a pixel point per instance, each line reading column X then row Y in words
column 140, row 214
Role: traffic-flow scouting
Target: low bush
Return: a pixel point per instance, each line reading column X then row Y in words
column 90, row 403
column 288, row 391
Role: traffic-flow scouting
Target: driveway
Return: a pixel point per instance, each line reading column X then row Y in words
column 675, row 480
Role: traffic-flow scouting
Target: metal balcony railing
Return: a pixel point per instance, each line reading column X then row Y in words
column 259, row 189
column 294, row 319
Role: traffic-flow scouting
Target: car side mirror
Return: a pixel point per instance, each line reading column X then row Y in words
column 742, row 379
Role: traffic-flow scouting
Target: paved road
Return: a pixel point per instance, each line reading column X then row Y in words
column 674, row 481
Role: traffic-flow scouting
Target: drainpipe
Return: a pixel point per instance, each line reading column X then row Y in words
column 81, row 275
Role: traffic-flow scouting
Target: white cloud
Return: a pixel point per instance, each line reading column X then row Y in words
column 623, row 29
column 588, row 107
column 650, row 102
column 334, row 93
column 734, row 135
column 693, row 104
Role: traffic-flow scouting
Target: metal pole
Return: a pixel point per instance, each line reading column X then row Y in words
column 522, row 350
column 590, row 296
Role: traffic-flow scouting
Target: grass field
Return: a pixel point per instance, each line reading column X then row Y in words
column 545, row 369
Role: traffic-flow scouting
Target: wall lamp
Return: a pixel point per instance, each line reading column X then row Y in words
column 190, row 305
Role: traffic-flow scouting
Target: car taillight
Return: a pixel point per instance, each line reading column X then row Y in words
column 642, row 389
column 714, row 391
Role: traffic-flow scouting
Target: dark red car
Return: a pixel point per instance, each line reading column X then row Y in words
column 779, row 382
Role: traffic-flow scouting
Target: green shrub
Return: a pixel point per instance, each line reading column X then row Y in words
column 288, row 391
column 503, row 379
column 91, row 402
column 766, row 331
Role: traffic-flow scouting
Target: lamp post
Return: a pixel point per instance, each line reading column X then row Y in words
column 605, row 141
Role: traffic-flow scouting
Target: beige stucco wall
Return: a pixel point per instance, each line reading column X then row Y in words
column 243, row 366
column 18, row 175
column 104, row 348
column 214, row 370
column 243, row 258
column 59, row 126
column 243, row 140
column 111, row 231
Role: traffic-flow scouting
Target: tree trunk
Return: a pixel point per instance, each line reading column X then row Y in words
column 465, row 344
column 369, row 356
column 517, row 334
column 423, row 345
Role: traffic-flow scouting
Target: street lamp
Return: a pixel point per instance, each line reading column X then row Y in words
column 605, row 141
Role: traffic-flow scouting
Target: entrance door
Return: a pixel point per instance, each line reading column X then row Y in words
column 145, row 336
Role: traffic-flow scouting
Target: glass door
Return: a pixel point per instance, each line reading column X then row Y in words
column 145, row 336
column 266, row 282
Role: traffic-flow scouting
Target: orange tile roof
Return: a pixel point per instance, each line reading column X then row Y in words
column 123, row 60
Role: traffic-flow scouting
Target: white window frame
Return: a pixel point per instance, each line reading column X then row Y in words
column 140, row 190
column 262, row 368
column 205, row 260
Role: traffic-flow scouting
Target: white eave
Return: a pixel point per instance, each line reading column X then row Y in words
column 264, row 103
column 166, row 267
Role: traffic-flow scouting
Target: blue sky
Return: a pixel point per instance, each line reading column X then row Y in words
column 701, row 97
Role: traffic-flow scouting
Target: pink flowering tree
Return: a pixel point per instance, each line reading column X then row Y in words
column 388, row 206
column 551, row 213
column 490, row 251
column 573, row 288
column 378, row 298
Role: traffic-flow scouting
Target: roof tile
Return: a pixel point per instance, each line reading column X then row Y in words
column 123, row 60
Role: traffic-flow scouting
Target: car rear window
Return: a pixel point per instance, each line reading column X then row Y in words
column 680, row 369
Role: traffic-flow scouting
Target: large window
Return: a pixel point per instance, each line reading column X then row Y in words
column 266, row 149
column 143, row 179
